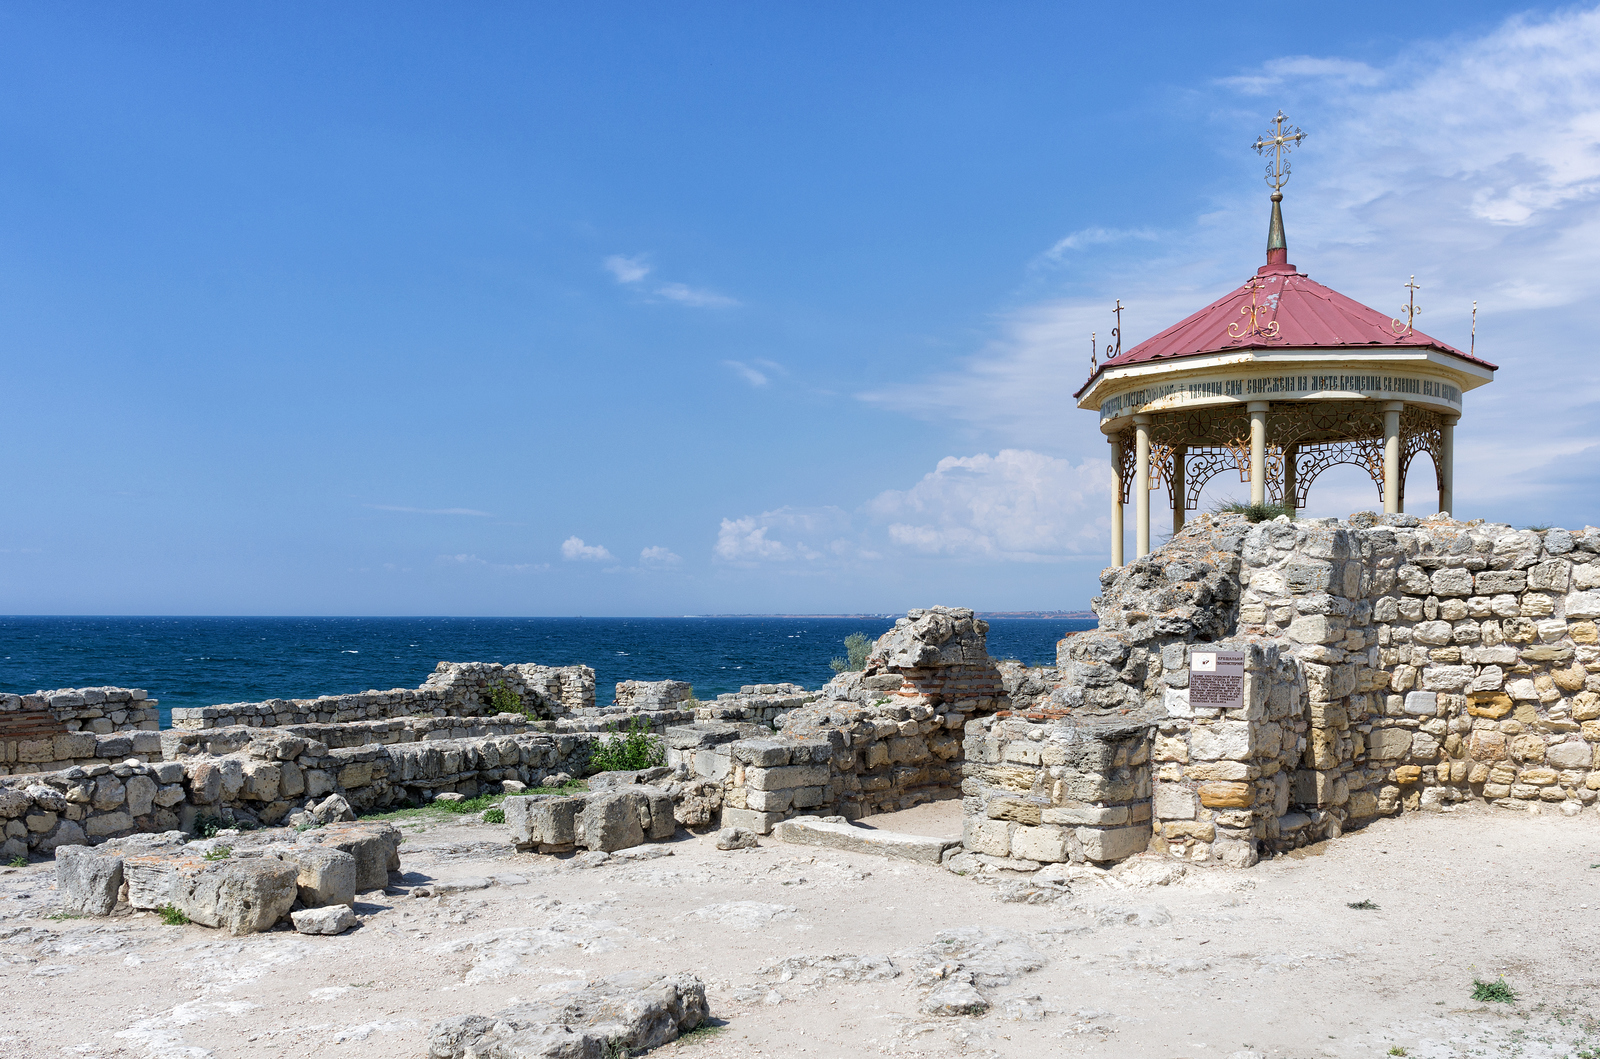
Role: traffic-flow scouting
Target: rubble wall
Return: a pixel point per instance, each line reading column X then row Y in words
column 51, row 729
column 458, row 689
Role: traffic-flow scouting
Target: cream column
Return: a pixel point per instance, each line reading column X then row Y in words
column 1447, row 464
column 1179, row 492
column 1391, row 456
column 1117, row 486
column 1258, row 451
column 1141, row 484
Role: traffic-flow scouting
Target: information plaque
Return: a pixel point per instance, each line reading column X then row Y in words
column 1216, row 679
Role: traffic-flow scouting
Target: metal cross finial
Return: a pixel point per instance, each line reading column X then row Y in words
column 1115, row 350
column 1257, row 312
column 1473, row 350
column 1401, row 330
column 1280, row 142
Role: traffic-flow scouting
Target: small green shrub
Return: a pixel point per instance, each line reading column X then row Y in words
column 561, row 788
column 58, row 916
column 17, row 862
column 1397, row 1050
column 496, row 815
column 856, row 647
column 1496, row 992
column 631, row 748
column 503, row 700
column 172, row 915
column 1253, row 512
column 207, row 826
column 219, row 853
column 1364, row 906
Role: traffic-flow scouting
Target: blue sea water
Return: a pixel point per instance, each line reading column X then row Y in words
column 207, row 661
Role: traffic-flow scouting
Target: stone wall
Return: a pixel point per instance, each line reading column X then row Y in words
column 877, row 740
column 455, row 689
column 1393, row 663
column 49, row 730
column 764, row 704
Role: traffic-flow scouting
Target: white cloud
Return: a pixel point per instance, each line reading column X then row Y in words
column 573, row 548
column 692, row 296
column 747, row 373
column 1016, row 505
column 627, row 269
column 1472, row 163
column 659, row 556
column 431, row 510
column 781, row 535
column 1087, row 237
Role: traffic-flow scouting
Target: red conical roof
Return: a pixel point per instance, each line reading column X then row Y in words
column 1308, row 315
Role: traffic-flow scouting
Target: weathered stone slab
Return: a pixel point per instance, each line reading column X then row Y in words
column 334, row 919
column 809, row 831
column 87, row 880
column 325, row 876
column 375, row 847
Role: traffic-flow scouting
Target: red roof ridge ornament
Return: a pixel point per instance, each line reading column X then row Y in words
column 1280, row 141
column 1257, row 314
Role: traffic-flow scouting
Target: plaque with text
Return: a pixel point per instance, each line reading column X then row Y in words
column 1216, row 679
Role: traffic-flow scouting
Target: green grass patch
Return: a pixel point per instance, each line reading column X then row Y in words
column 1496, row 992
column 218, row 853
column 1397, row 1050
column 172, row 915
column 496, row 815
column 1253, row 512
column 627, row 750
column 59, row 916
column 17, row 862
column 1364, row 906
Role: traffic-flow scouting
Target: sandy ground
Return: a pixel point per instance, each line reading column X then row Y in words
column 814, row 953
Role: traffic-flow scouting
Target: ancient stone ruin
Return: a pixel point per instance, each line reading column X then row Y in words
column 1252, row 687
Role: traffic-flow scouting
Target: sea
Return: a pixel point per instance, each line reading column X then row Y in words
column 210, row 661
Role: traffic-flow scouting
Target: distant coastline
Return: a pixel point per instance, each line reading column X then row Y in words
column 1050, row 615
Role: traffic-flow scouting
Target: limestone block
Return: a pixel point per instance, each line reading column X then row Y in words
column 1447, row 678
column 612, row 822
column 1092, row 815
column 1452, row 581
column 1387, row 744
column 1527, row 748
column 1523, row 689
column 13, row 803
column 769, row 801
column 1045, row 843
column 102, row 824
column 1569, row 756
column 168, row 796
column 86, row 881
column 318, row 782
column 1225, row 795
column 324, row 876
column 769, row 779
column 109, row 793
column 1539, row 777
column 987, row 836
column 1422, row 703
column 334, row 919
column 1172, row 801
column 1492, row 705
column 1225, row 740
column 1583, row 605
column 243, row 896
column 750, row 819
column 141, row 794
column 1432, row 633
column 1316, row 628
column 375, row 846
column 1492, row 582
column 1112, row 844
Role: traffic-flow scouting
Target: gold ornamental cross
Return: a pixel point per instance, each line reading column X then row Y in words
column 1280, row 142
column 1257, row 314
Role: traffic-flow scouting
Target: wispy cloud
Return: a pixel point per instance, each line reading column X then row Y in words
column 573, row 548
column 627, row 269
column 659, row 556
column 631, row 272
column 747, row 373
column 463, row 559
column 1275, row 72
column 693, row 296
column 1087, row 237
column 431, row 510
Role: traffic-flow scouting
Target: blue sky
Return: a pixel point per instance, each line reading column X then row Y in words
column 719, row 308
